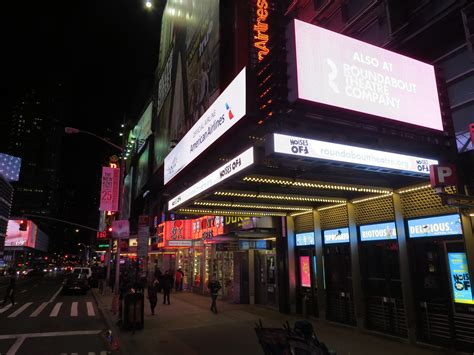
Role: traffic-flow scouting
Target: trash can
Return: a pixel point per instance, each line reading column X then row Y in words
column 133, row 311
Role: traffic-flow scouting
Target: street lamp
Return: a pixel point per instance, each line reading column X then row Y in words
column 72, row 130
column 148, row 4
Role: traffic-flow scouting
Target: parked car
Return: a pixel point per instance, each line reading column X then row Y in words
column 82, row 270
column 76, row 283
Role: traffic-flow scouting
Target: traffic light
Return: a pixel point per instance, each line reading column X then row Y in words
column 23, row 225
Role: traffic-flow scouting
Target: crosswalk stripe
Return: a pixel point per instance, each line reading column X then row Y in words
column 103, row 352
column 56, row 308
column 90, row 309
column 39, row 309
column 74, row 309
column 19, row 310
column 91, row 353
column 5, row 308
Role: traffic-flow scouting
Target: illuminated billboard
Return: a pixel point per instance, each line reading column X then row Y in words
column 379, row 231
column 224, row 113
column 349, row 154
column 305, row 271
column 188, row 78
column 32, row 237
column 435, row 226
column 460, row 280
column 230, row 168
column 303, row 239
column 10, row 167
column 340, row 71
column 207, row 227
column 339, row 235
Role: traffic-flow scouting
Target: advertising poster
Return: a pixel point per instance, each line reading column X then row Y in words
column 435, row 226
column 361, row 77
column 303, row 239
column 460, row 280
column 109, row 189
column 379, row 231
column 305, row 271
column 188, row 69
column 142, row 170
column 17, row 238
column 339, row 235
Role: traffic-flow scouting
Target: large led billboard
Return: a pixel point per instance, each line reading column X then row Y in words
column 224, row 113
column 187, row 77
column 357, row 156
column 448, row 225
column 18, row 238
column 10, row 167
column 304, row 239
column 340, row 71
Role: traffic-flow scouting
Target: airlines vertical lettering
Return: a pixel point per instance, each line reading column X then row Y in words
column 260, row 29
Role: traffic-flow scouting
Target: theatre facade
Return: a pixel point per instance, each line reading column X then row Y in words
column 304, row 182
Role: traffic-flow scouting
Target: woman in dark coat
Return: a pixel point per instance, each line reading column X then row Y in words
column 152, row 295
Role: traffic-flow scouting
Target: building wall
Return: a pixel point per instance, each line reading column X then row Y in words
column 6, row 197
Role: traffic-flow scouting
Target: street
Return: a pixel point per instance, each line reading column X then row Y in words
column 46, row 321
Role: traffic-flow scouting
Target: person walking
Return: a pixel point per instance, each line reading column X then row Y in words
column 167, row 285
column 10, row 293
column 179, row 280
column 152, row 295
column 214, row 286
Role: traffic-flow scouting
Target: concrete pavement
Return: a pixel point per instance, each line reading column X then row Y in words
column 188, row 327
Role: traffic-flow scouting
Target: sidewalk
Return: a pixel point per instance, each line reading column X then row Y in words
column 188, row 327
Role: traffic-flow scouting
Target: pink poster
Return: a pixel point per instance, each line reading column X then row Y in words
column 340, row 71
column 305, row 271
column 109, row 193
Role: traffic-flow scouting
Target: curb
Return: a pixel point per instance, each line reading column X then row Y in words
column 110, row 325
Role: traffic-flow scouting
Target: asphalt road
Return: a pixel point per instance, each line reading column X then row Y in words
column 45, row 321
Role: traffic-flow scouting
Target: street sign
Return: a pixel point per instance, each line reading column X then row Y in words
column 120, row 228
column 110, row 189
column 461, row 201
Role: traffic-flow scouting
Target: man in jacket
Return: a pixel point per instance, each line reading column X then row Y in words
column 214, row 286
column 167, row 286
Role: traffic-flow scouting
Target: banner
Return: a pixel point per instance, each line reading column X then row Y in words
column 109, row 193
column 305, row 271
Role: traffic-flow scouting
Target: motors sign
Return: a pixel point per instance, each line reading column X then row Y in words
column 233, row 167
column 350, row 154
column 224, row 113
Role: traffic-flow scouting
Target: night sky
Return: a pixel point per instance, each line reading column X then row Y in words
column 103, row 53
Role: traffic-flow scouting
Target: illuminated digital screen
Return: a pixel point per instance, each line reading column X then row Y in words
column 460, row 280
column 435, row 226
column 340, row 71
column 316, row 149
column 379, row 231
column 305, row 271
column 303, row 239
column 339, row 235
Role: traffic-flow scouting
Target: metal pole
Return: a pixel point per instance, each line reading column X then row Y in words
column 117, row 257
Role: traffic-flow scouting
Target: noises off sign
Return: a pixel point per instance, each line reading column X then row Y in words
column 109, row 189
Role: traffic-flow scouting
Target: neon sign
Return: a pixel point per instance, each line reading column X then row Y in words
column 261, row 29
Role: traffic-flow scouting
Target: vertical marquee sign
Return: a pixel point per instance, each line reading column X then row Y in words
column 109, row 189
column 260, row 29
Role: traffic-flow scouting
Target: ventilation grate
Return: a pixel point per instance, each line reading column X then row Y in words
column 334, row 217
column 304, row 223
column 372, row 211
column 424, row 202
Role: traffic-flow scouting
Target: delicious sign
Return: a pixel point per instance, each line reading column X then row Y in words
column 234, row 166
column 435, row 226
column 340, row 71
column 225, row 112
column 349, row 154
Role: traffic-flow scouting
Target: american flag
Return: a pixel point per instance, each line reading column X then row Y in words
column 10, row 167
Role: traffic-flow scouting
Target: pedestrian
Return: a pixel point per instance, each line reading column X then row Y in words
column 167, row 285
column 10, row 293
column 179, row 280
column 152, row 295
column 159, row 277
column 214, row 286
